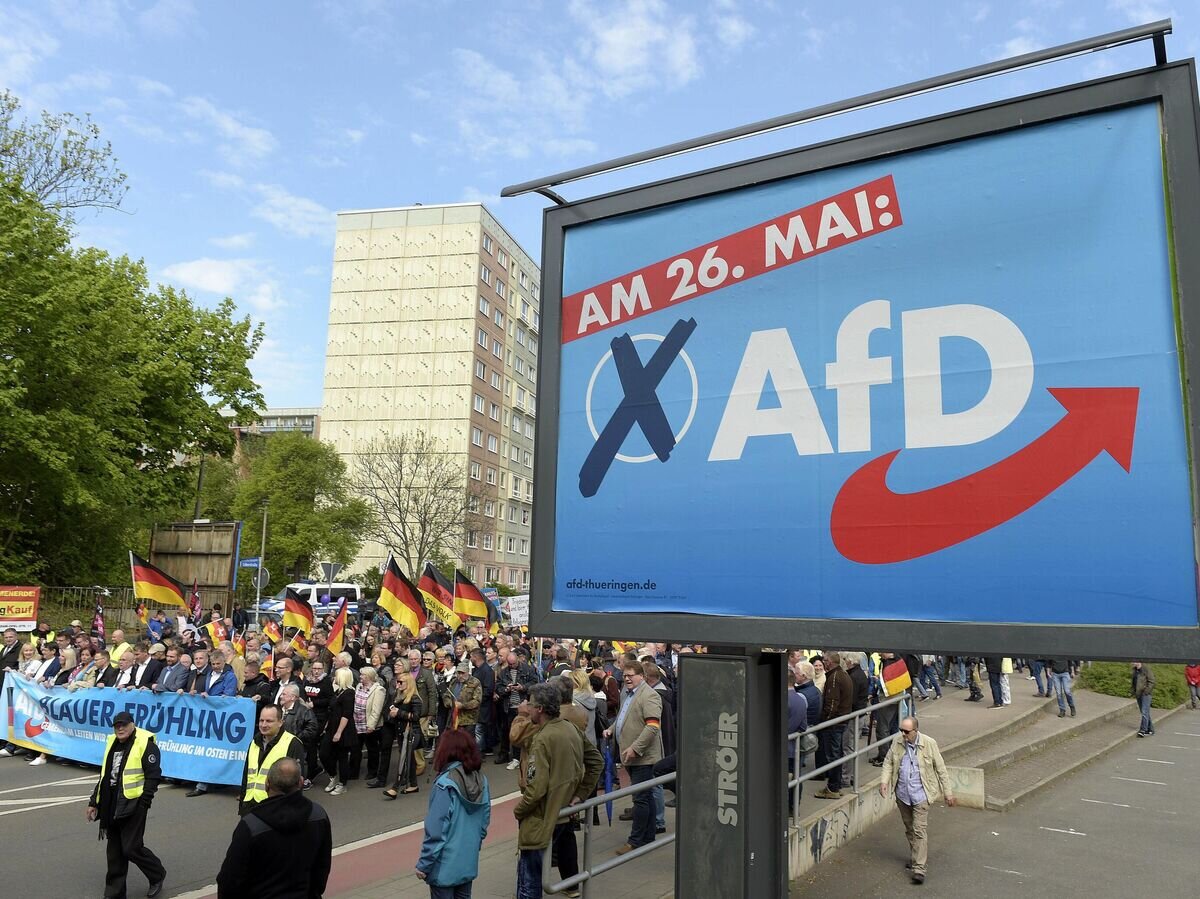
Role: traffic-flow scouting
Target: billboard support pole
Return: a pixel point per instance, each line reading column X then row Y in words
column 731, row 814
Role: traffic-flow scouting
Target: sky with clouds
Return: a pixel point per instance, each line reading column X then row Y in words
column 244, row 126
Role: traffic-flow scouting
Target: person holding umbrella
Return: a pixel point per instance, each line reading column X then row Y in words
column 405, row 715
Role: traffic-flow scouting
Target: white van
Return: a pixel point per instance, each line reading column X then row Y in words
column 324, row 598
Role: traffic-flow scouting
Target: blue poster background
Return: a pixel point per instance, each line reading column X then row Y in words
column 1061, row 227
column 201, row 738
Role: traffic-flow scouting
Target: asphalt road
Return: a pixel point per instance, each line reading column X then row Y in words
column 45, row 835
column 1124, row 825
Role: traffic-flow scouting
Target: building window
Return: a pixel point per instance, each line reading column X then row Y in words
column 492, row 575
column 533, row 344
column 489, row 508
column 524, row 516
column 501, row 257
column 499, row 318
column 529, row 430
column 516, row 486
column 472, row 539
column 516, row 424
column 529, row 460
column 516, row 453
column 512, row 544
column 537, row 320
column 472, row 503
column 519, row 365
column 481, row 337
column 512, row 514
column 525, row 310
column 491, row 476
column 524, row 280
column 480, row 370
column 485, row 274
column 494, row 411
column 524, row 578
column 492, row 444
column 496, row 379
column 484, row 306
column 472, row 571
column 524, row 547
column 479, row 407
column 520, row 396
column 512, row 577
column 503, row 479
column 487, row 541
column 477, row 436
column 532, row 375
column 520, row 336
column 497, row 350
column 500, row 288
column 475, row 470
column 487, row 243
column 529, row 490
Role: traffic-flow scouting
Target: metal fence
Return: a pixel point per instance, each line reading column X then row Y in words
column 59, row 606
column 589, row 871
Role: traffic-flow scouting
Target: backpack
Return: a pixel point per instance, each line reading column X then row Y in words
column 602, row 722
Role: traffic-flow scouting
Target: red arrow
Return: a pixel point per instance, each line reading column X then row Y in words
column 873, row 525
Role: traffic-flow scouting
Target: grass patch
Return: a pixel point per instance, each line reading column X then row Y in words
column 1115, row 678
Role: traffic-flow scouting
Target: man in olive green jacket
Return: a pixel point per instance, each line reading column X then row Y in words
column 915, row 771
column 561, row 769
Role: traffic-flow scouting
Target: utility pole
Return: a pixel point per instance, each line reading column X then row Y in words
column 262, row 549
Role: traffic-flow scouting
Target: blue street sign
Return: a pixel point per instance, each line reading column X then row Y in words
column 249, row 563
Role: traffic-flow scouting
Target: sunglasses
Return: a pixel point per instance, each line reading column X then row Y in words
column 908, row 731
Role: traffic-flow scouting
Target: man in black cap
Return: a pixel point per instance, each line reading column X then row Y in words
column 129, row 778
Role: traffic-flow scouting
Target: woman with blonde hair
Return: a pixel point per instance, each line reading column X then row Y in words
column 369, row 699
column 584, row 696
column 340, row 735
column 405, row 715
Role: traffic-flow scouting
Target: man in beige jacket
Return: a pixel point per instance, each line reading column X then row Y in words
column 639, row 736
column 914, row 769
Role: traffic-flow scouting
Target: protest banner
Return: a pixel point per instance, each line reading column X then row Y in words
column 201, row 738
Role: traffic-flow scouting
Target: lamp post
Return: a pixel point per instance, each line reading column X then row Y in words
column 262, row 549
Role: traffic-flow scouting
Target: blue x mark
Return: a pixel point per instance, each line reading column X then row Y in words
column 640, row 404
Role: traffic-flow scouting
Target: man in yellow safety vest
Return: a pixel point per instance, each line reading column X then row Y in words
column 269, row 745
column 129, row 777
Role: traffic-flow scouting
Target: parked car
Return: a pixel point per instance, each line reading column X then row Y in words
column 324, row 598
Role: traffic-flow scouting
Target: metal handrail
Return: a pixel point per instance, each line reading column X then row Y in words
column 853, row 756
column 587, row 871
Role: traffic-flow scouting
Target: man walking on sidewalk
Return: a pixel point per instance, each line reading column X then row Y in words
column 914, row 769
column 1143, row 692
column 837, row 700
column 1060, row 675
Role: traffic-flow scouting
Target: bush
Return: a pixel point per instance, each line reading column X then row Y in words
column 1115, row 678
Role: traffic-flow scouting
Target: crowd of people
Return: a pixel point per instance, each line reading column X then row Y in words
column 562, row 712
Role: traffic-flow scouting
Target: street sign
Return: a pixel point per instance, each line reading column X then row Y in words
column 249, row 563
column 261, row 579
column 918, row 388
column 329, row 571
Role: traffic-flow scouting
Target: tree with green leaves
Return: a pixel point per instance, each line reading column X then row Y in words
column 59, row 159
column 312, row 515
column 107, row 388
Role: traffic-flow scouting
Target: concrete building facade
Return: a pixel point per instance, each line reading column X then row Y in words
column 433, row 326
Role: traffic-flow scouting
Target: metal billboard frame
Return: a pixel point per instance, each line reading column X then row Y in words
column 1173, row 87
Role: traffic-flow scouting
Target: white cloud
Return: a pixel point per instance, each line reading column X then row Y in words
column 145, row 129
column 733, row 31
column 636, row 44
column 980, row 12
column 95, row 17
column 1019, row 45
column 233, row 241
column 291, row 214
column 475, row 195
column 23, row 45
column 220, row 276
column 168, row 18
column 246, row 280
column 354, row 136
column 223, row 180
column 279, row 368
column 148, row 87
column 418, row 139
column 241, row 142
column 1138, row 12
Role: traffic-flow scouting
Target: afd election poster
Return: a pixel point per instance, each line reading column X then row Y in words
column 201, row 738
column 943, row 385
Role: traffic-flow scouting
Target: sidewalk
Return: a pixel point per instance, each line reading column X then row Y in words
column 383, row 870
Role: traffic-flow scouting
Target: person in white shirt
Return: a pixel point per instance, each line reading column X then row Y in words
column 125, row 676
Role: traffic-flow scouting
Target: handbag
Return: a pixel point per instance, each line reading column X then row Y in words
column 808, row 742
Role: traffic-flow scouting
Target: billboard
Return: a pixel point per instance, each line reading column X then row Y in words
column 19, row 607
column 918, row 388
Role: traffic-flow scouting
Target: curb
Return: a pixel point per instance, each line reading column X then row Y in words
column 965, row 745
column 1008, row 803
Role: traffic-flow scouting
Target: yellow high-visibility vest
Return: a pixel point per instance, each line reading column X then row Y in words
column 133, row 779
column 256, row 772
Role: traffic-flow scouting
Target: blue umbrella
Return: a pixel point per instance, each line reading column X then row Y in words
column 610, row 775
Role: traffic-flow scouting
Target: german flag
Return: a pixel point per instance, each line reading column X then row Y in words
column 299, row 645
column 493, row 618
column 143, row 614
column 401, row 599
column 439, row 596
column 155, row 584
column 216, row 632
column 239, row 644
column 296, row 612
column 272, row 632
column 895, row 677
column 268, row 666
column 468, row 601
column 337, row 633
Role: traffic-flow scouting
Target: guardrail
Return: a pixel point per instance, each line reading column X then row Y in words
column 853, row 718
column 588, row 871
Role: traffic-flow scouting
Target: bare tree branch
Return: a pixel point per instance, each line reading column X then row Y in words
column 422, row 500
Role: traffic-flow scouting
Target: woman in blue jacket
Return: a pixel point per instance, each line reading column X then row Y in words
column 460, row 809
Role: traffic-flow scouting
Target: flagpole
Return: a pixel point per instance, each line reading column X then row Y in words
column 262, row 551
